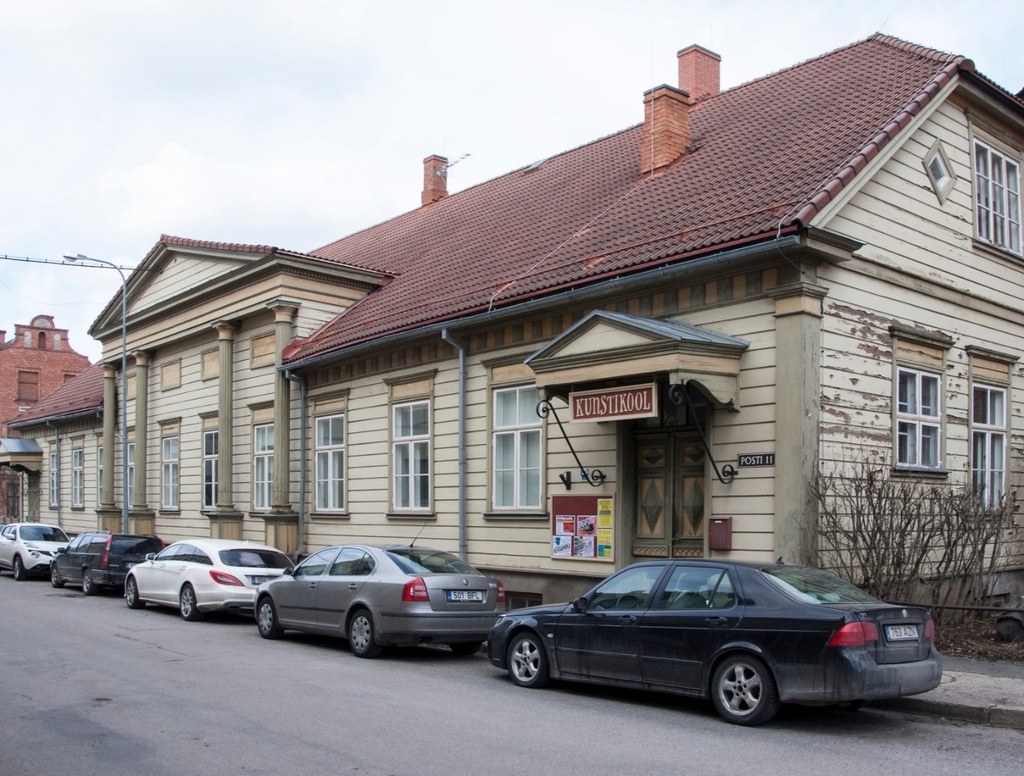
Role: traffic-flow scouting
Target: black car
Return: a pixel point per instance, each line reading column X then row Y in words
column 749, row 636
column 99, row 559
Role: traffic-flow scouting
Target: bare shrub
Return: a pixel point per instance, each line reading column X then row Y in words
column 909, row 541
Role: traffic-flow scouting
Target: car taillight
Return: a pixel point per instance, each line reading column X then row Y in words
column 854, row 634
column 929, row 630
column 226, row 579
column 415, row 590
column 501, row 593
column 105, row 555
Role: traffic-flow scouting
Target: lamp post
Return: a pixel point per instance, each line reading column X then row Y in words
column 124, row 383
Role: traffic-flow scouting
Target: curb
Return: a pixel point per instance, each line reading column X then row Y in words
column 996, row 715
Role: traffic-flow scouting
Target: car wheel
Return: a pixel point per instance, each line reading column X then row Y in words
column 131, row 594
column 88, row 585
column 361, row 635
column 19, row 569
column 466, row 647
column 187, row 604
column 527, row 661
column 55, row 578
column 266, row 619
column 744, row 692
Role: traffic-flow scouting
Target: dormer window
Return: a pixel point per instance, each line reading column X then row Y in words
column 997, row 198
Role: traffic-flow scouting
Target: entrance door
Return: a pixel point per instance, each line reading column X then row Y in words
column 670, row 494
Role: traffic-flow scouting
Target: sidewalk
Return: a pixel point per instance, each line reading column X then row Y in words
column 973, row 691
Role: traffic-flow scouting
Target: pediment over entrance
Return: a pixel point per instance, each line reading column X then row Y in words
column 21, row 454
column 613, row 346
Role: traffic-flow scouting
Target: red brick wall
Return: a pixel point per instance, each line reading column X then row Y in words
column 52, row 365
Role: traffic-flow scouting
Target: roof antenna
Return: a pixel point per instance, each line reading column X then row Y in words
column 417, row 536
column 451, row 164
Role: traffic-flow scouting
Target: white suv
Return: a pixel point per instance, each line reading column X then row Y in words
column 28, row 548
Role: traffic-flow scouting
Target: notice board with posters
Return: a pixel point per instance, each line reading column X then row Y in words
column 582, row 527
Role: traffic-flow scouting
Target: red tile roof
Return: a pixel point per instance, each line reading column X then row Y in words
column 766, row 156
column 81, row 395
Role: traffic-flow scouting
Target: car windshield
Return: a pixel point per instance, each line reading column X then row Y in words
column 815, row 586
column 42, row 533
column 413, row 560
column 247, row 558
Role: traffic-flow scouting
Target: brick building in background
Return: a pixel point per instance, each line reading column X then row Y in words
column 35, row 362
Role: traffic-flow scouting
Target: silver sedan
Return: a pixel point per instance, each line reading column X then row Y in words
column 376, row 596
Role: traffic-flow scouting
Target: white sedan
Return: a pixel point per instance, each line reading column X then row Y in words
column 28, row 548
column 204, row 575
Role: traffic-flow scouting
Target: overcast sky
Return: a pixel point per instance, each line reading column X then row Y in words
column 295, row 122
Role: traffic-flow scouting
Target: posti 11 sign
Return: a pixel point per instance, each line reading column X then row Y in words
column 634, row 401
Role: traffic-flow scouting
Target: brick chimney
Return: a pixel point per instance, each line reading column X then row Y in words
column 667, row 110
column 699, row 71
column 666, row 127
column 435, row 179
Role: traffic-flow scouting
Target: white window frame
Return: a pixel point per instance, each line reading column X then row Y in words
column 997, row 212
column 170, row 470
column 410, row 456
column 918, row 432
column 211, row 444
column 262, row 466
column 99, row 475
column 329, row 457
column 54, row 480
column 131, row 474
column 77, row 477
column 988, row 442
column 517, row 450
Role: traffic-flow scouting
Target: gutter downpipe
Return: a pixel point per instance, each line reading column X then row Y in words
column 455, row 343
column 303, row 474
column 60, row 502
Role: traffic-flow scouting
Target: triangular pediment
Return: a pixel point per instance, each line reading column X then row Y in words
column 616, row 346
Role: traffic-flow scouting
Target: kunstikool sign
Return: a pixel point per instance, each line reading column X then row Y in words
column 635, row 401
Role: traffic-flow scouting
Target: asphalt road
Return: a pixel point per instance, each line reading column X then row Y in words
column 88, row 686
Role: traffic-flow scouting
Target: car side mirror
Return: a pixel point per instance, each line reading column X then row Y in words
column 150, row 555
column 288, row 571
column 60, row 550
column 581, row 604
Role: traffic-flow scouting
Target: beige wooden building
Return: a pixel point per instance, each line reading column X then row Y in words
column 646, row 346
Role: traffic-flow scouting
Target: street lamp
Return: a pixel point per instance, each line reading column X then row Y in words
column 124, row 383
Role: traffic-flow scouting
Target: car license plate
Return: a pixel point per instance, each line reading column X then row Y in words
column 464, row 595
column 900, row 632
column 258, row 580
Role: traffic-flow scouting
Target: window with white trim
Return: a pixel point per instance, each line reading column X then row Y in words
column 54, row 480
column 330, row 463
column 131, row 473
column 411, row 455
column 210, row 453
column 78, row 477
column 263, row 466
column 169, row 470
column 918, row 419
column 517, row 449
column 988, row 443
column 997, row 198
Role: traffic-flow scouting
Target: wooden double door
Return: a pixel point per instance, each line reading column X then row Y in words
column 670, row 494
